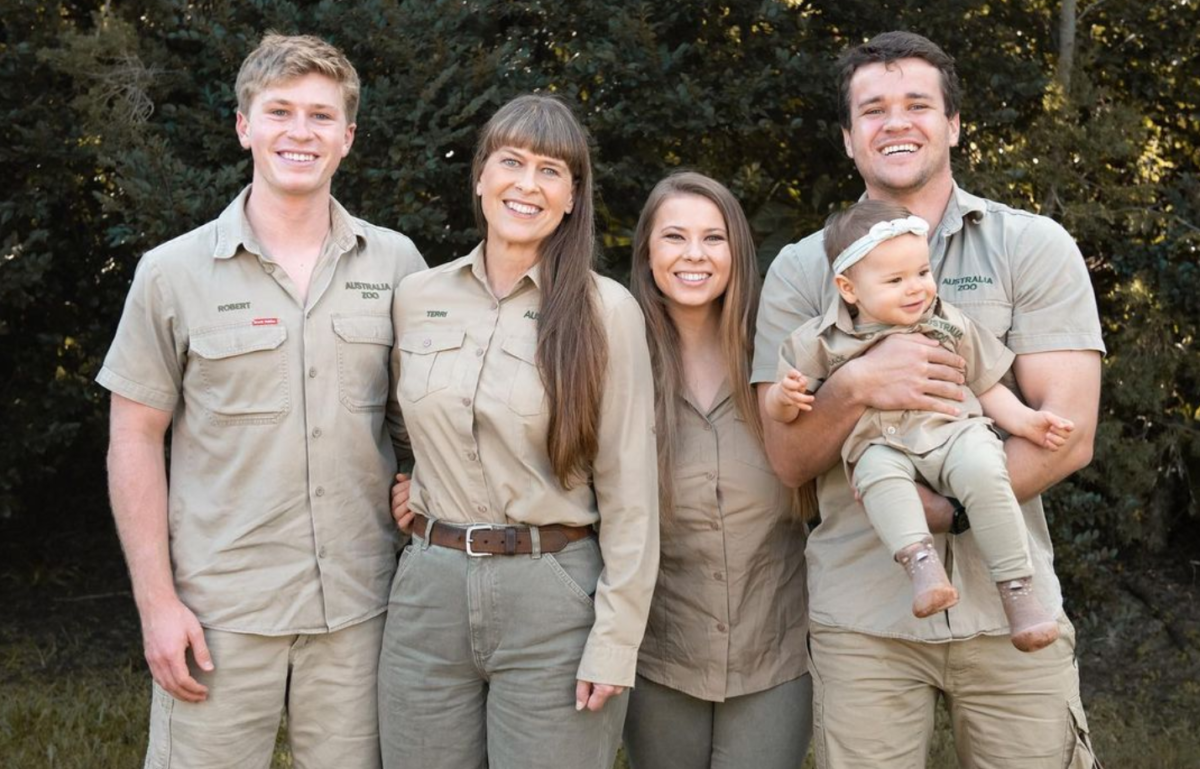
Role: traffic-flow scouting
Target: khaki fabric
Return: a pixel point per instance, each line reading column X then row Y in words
column 325, row 683
column 874, row 702
column 281, row 460
column 477, row 669
column 1015, row 274
column 823, row 345
column 729, row 615
column 476, row 410
column 770, row 729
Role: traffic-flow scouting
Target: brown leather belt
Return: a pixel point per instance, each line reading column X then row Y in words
column 482, row 539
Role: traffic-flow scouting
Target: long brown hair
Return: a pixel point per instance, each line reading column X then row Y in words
column 572, row 350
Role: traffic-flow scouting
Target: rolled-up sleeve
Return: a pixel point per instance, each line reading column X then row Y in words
column 625, row 479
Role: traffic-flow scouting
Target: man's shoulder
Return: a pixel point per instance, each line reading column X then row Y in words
column 1019, row 221
column 388, row 243
column 805, row 254
column 183, row 250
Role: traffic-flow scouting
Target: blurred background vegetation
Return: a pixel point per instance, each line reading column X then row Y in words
column 118, row 135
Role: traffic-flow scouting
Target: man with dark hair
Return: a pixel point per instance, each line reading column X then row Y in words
column 263, row 340
column 1019, row 276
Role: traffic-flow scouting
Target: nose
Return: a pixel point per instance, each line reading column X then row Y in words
column 527, row 179
column 692, row 250
column 299, row 128
column 897, row 120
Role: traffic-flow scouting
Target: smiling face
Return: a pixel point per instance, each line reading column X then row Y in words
column 899, row 135
column 893, row 284
column 297, row 132
column 524, row 197
column 689, row 253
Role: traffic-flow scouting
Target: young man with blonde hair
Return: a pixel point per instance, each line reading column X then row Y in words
column 263, row 340
column 877, row 670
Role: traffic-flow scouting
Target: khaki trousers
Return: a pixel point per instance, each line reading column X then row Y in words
column 874, row 700
column 479, row 662
column 324, row 683
column 667, row 729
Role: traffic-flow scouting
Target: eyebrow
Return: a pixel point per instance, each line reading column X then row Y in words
column 710, row 230
column 289, row 103
column 911, row 95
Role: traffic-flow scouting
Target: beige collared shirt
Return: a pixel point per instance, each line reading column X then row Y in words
column 1020, row 277
column 822, row 345
column 729, row 615
column 283, row 437
column 476, row 410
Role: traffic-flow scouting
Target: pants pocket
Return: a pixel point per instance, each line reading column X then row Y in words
column 1079, row 753
column 158, row 752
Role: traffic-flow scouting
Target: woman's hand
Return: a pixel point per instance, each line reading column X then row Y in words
column 400, row 512
column 593, row 696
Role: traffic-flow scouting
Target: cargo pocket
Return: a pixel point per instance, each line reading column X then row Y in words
column 158, row 754
column 527, row 395
column 427, row 361
column 364, row 343
column 243, row 370
column 1079, row 753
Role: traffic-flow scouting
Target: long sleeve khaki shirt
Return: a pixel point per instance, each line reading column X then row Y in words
column 477, row 414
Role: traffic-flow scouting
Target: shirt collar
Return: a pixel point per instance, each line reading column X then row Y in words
column 475, row 262
column 234, row 231
column 962, row 205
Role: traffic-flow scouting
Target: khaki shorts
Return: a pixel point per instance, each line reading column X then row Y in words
column 874, row 701
column 324, row 683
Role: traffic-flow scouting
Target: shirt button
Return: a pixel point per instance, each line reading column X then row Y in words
column 312, row 372
column 708, row 428
column 711, row 476
column 466, row 401
column 320, row 492
column 716, row 526
column 316, row 433
column 718, row 576
column 721, row 627
column 891, row 430
column 268, row 268
column 321, row 553
column 479, row 353
column 471, row 455
column 426, row 342
column 481, row 508
column 495, row 305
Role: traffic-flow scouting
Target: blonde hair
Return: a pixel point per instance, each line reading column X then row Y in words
column 285, row 57
column 739, row 311
column 572, row 348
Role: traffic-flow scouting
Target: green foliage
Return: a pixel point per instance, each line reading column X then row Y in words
column 119, row 136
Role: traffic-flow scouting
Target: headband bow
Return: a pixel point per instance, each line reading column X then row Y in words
column 879, row 232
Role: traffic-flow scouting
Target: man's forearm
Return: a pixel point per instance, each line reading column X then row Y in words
column 138, row 493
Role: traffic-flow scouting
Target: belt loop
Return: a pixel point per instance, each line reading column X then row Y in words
column 430, row 522
column 535, row 542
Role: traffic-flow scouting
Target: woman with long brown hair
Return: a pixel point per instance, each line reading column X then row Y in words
column 517, row 610
column 722, row 674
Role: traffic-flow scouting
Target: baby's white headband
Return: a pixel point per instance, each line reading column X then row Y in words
column 879, row 232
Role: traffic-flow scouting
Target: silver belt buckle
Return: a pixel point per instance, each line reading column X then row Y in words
column 471, row 532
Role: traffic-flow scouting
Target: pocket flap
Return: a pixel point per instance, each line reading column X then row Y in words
column 521, row 347
column 422, row 342
column 218, row 343
column 366, row 329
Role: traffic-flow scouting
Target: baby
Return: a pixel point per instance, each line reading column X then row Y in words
column 880, row 260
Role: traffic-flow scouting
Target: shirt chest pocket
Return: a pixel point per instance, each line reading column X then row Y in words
column 364, row 343
column 244, row 373
column 427, row 361
column 526, row 393
column 746, row 448
column 993, row 315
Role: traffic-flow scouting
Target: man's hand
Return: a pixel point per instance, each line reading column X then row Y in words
column 167, row 632
column 400, row 511
column 593, row 696
column 908, row 372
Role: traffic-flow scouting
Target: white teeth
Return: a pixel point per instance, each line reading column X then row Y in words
column 522, row 208
column 302, row 157
column 692, row 276
column 892, row 150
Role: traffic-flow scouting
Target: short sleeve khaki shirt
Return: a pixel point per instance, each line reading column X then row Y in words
column 1018, row 276
column 281, row 458
column 730, row 614
column 821, row 346
column 476, row 409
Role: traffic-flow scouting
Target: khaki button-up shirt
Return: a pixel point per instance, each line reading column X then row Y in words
column 822, row 345
column 283, row 441
column 1020, row 277
column 729, row 615
column 477, row 412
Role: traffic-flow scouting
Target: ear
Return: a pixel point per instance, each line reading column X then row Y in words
column 847, row 144
column 955, row 125
column 570, row 203
column 845, row 287
column 242, row 126
column 479, row 188
column 349, row 139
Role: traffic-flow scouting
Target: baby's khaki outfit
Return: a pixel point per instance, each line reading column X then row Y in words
column 1020, row 277
column 481, row 655
column 722, row 670
column 284, row 442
